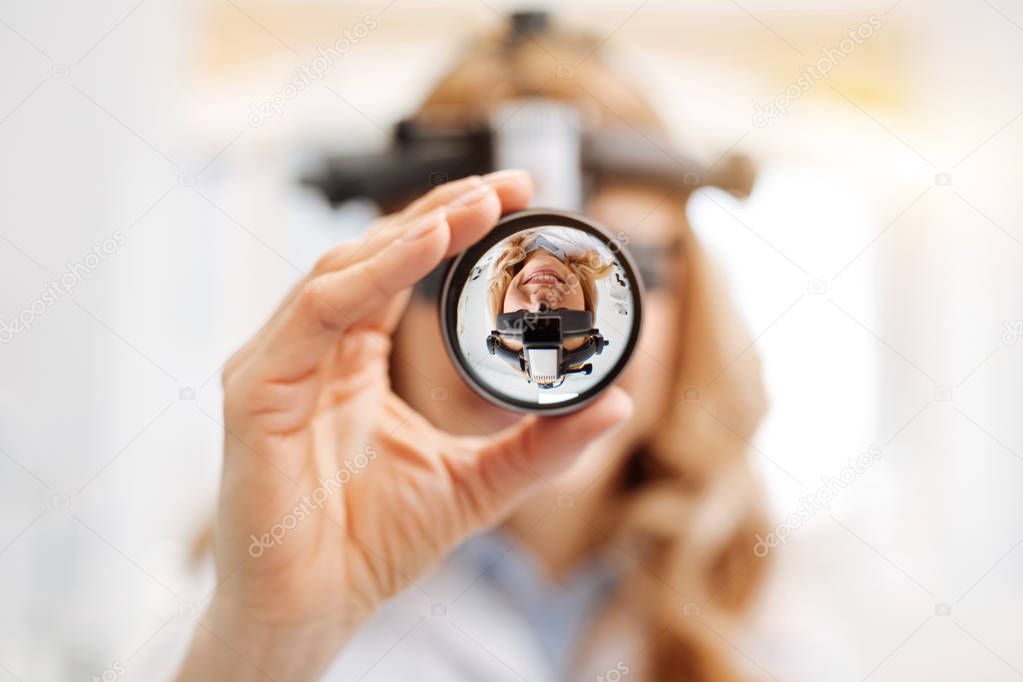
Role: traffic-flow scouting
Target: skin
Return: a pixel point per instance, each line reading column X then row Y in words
column 543, row 279
column 308, row 395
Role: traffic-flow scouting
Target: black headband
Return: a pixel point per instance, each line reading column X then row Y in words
column 573, row 322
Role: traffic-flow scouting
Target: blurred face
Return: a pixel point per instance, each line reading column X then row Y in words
column 426, row 379
column 543, row 279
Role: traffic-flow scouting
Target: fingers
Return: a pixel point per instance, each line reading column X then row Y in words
column 361, row 282
column 470, row 216
column 441, row 195
column 528, row 453
column 513, row 190
column 514, row 187
column 549, row 445
column 331, row 303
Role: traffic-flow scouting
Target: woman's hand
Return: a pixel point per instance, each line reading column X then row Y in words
column 335, row 494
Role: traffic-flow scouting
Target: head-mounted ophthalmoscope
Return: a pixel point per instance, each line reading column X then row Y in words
column 567, row 153
column 541, row 336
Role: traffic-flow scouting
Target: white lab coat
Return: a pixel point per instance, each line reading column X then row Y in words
column 461, row 624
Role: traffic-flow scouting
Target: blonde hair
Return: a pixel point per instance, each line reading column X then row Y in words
column 587, row 269
column 686, row 497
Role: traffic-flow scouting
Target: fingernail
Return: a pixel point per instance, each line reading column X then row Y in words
column 422, row 227
column 473, row 195
column 507, row 174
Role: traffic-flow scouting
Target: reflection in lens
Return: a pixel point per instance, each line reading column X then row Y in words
column 546, row 315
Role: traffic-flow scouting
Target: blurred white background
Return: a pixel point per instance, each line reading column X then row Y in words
column 879, row 263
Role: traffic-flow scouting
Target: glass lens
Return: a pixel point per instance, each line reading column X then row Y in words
column 545, row 312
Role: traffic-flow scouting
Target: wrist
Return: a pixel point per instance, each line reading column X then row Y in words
column 229, row 644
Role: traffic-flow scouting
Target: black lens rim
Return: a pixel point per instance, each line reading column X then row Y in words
column 461, row 266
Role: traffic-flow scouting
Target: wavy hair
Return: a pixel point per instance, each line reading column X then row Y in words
column 587, row 269
column 685, row 501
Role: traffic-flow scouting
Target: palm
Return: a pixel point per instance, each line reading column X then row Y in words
column 372, row 454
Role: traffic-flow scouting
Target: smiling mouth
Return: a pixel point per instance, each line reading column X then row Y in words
column 548, row 277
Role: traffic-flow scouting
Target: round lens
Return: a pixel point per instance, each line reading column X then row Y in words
column 543, row 313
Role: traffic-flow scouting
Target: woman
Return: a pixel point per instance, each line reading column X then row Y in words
column 550, row 268
column 645, row 496
column 547, row 267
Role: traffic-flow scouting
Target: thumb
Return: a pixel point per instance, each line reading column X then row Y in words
column 522, row 456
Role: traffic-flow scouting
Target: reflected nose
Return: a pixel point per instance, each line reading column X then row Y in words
column 540, row 301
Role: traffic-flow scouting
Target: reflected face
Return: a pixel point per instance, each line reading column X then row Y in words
column 543, row 279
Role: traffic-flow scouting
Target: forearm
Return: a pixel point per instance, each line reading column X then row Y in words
column 228, row 647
